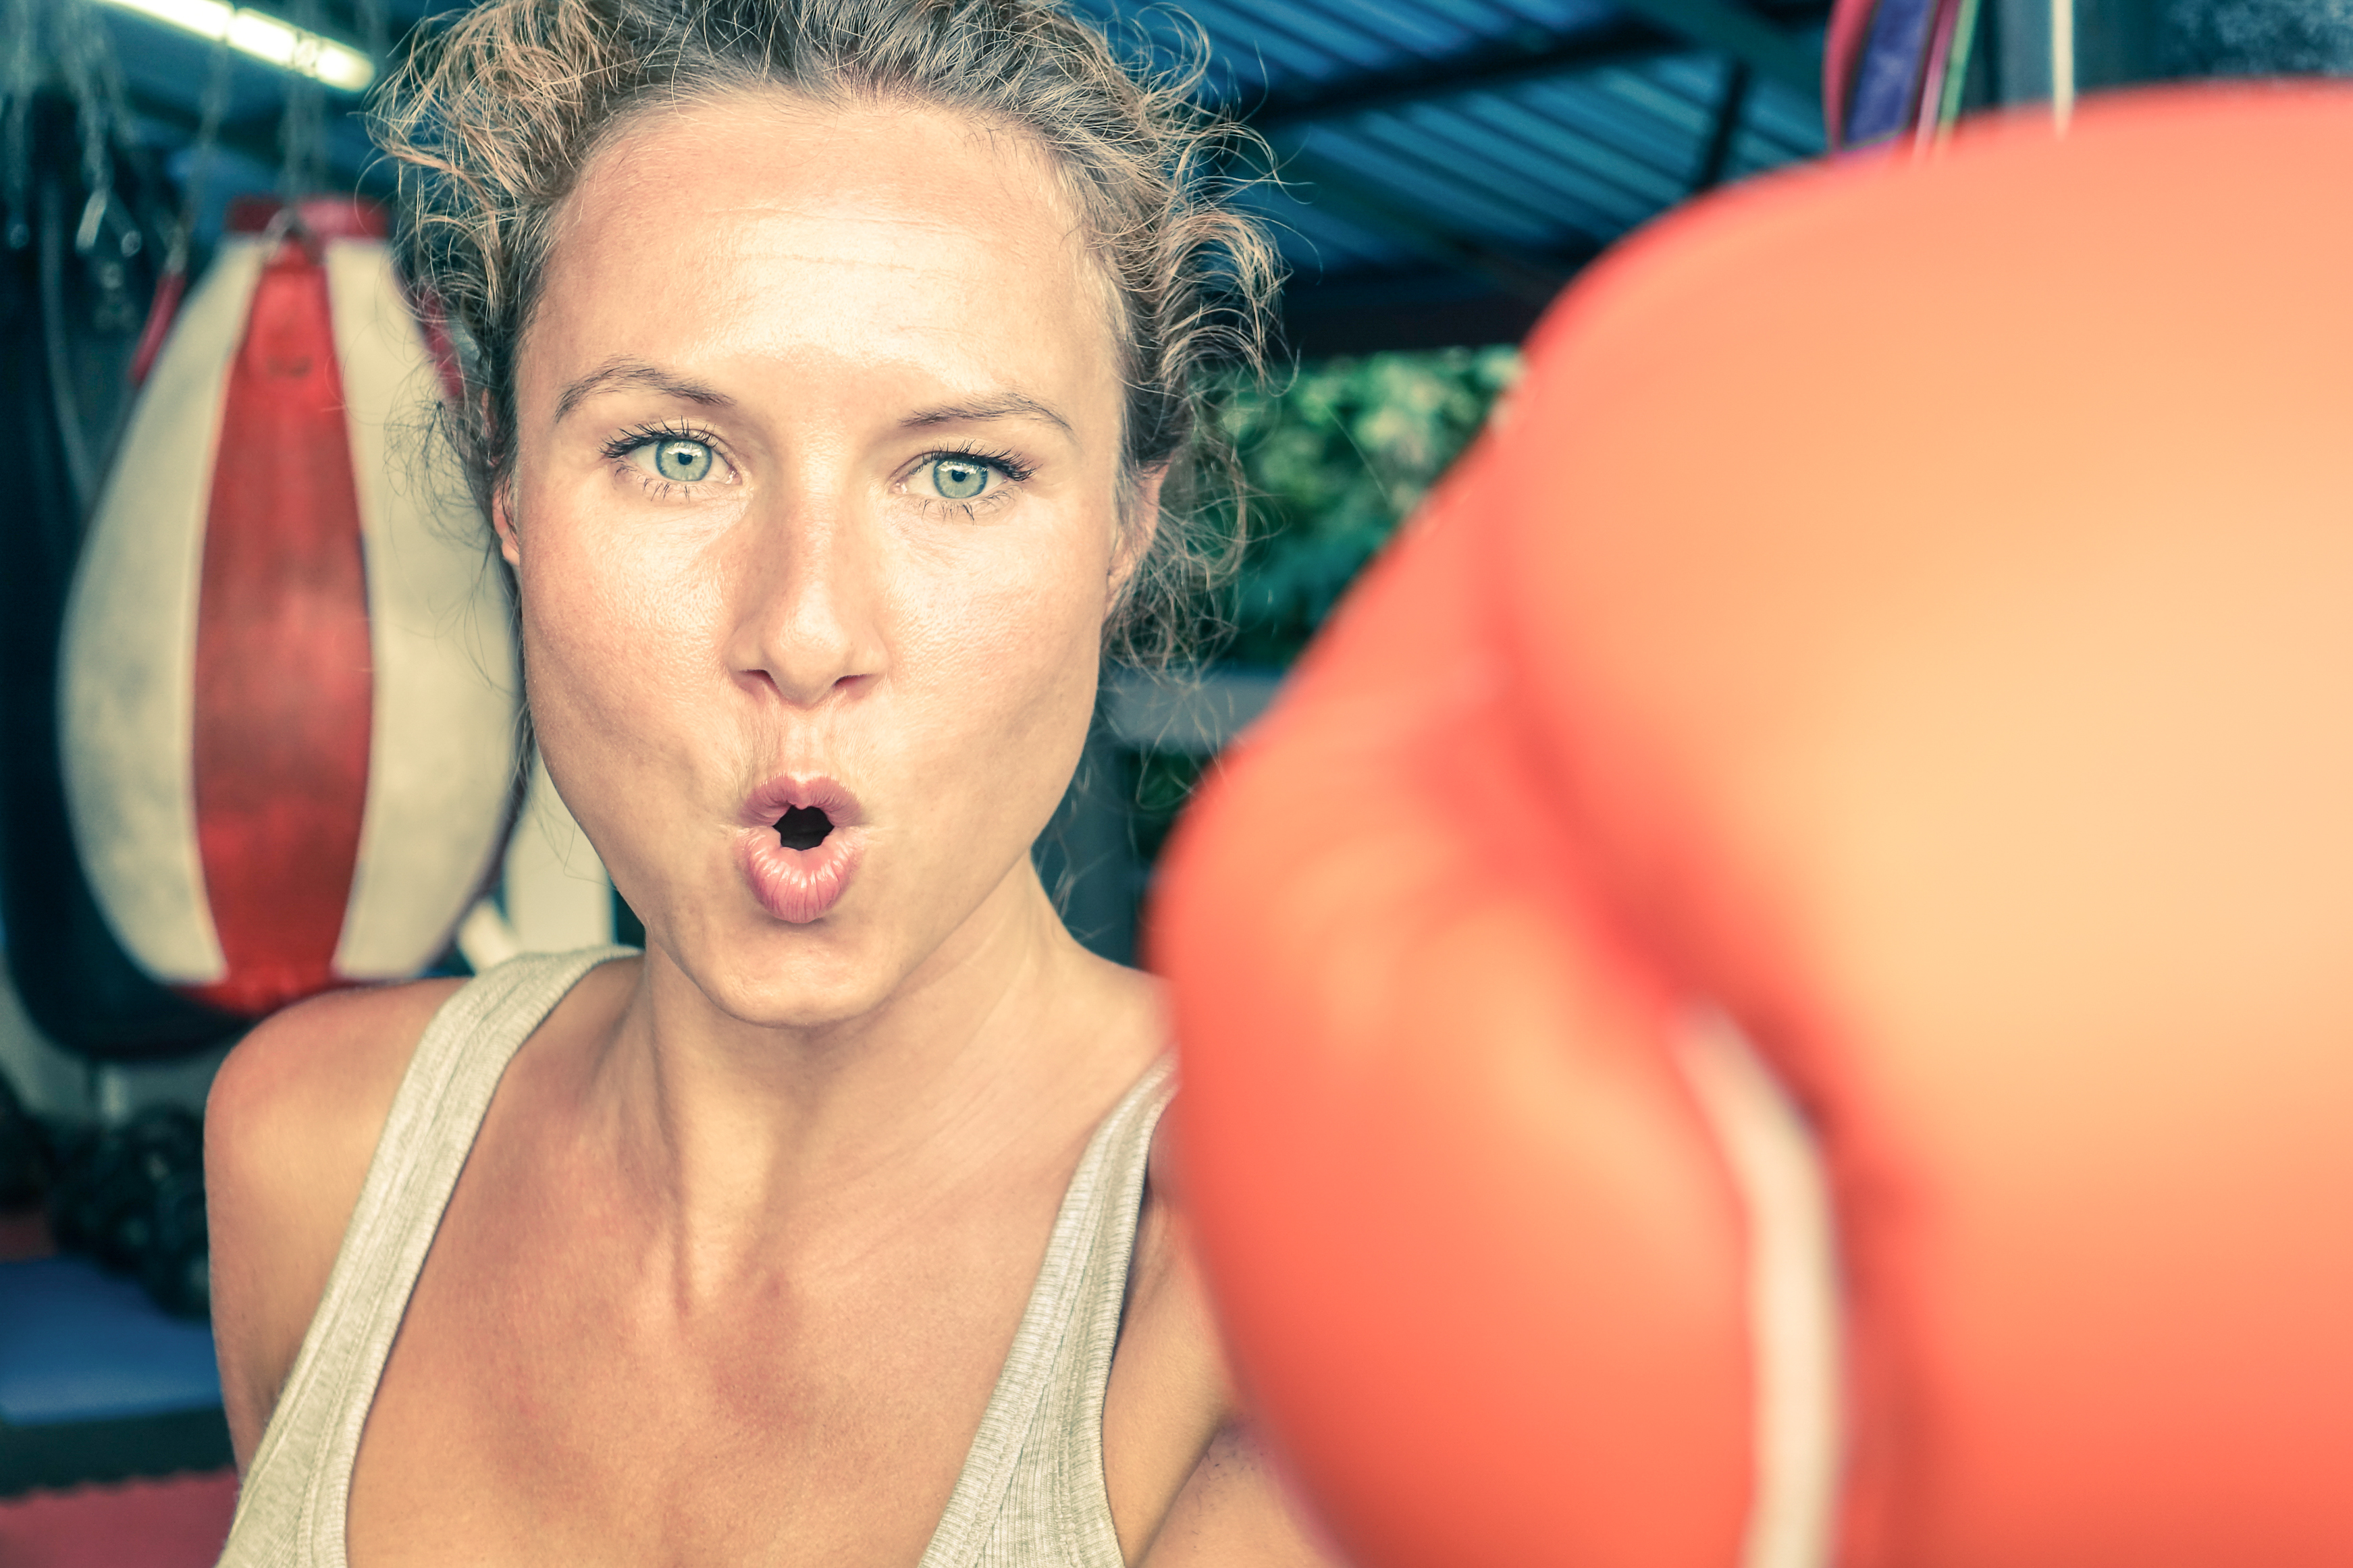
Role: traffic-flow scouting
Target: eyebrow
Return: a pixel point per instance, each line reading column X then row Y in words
column 620, row 374
column 1003, row 405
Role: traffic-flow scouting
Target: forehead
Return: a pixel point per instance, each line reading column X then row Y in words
column 757, row 225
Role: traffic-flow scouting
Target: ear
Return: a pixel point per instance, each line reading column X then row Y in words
column 502, row 524
column 1137, row 529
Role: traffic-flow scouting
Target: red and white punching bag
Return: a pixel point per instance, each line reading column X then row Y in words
column 290, row 690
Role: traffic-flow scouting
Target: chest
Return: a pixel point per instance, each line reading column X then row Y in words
column 563, row 1390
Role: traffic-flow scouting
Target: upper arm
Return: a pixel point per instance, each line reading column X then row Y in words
column 1236, row 1511
column 1230, row 1508
column 290, row 1127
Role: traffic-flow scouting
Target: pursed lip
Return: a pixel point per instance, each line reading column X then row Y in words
column 788, row 791
column 799, row 885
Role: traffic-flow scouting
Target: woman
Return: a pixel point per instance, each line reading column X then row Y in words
column 827, row 360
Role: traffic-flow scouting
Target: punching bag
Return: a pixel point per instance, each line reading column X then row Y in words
column 64, row 326
column 289, row 689
column 1778, row 992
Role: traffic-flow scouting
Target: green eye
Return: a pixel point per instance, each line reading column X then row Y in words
column 685, row 462
column 959, row 479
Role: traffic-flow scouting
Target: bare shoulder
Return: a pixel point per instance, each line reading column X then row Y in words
column 291, row 1125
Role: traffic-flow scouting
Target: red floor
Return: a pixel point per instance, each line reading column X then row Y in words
column 175, row 1523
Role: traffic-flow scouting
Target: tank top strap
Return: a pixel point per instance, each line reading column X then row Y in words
column 290, row 1512
column 1032, row 1489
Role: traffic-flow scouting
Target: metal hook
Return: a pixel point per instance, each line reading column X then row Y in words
column 93, row 213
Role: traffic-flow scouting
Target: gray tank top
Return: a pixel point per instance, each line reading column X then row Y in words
column 1032, row 1492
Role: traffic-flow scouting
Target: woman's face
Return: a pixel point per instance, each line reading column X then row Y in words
column 814, row 512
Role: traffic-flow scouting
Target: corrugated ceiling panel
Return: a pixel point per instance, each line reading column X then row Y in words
column 1400, row 28
column 1547, row 169
column 1348, row 40
column 1528, row 145
column 1522, row 158
column 1387, row 167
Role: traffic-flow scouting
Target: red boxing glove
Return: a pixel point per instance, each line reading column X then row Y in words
column 1905, row 622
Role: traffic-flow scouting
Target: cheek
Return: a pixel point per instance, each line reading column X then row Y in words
column 1001, row 647
column 614, row 621
column 999, row 624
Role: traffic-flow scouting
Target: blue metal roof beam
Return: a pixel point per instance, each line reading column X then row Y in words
column 1729, row 111
column 1650, row 28
column 1505, row 63
column 1533, row 278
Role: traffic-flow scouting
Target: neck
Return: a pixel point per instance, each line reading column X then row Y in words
column 999, row 1051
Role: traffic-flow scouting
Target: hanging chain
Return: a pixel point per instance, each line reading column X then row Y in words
column 93, row 76
column 39, row 34
column 78, row 44
column 20, row 79
column 106, row 74
column 200, row 155
column 302, row 128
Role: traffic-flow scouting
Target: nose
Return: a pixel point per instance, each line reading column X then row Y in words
column 807, row 605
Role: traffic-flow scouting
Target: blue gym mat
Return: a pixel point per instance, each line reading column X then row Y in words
column 77, row 1344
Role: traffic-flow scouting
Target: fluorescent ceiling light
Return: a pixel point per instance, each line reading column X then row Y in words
column 265, row 38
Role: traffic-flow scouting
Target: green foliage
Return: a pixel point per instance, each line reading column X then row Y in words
column 1334, row 461
column 1164, row 780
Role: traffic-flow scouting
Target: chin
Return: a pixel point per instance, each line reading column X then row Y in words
column 762, row 971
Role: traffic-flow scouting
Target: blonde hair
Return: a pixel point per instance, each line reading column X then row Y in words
column 495, row 112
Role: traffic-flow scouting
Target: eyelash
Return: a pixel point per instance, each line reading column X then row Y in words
column 619, row 448
column 1005, row 463
column 1014, row 470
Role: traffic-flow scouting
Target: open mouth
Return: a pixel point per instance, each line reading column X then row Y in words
column 803, row 827
column 802, row 846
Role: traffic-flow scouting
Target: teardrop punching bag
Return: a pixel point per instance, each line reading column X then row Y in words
column 76, row 984
column 289, row 688
column 1779, row 989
